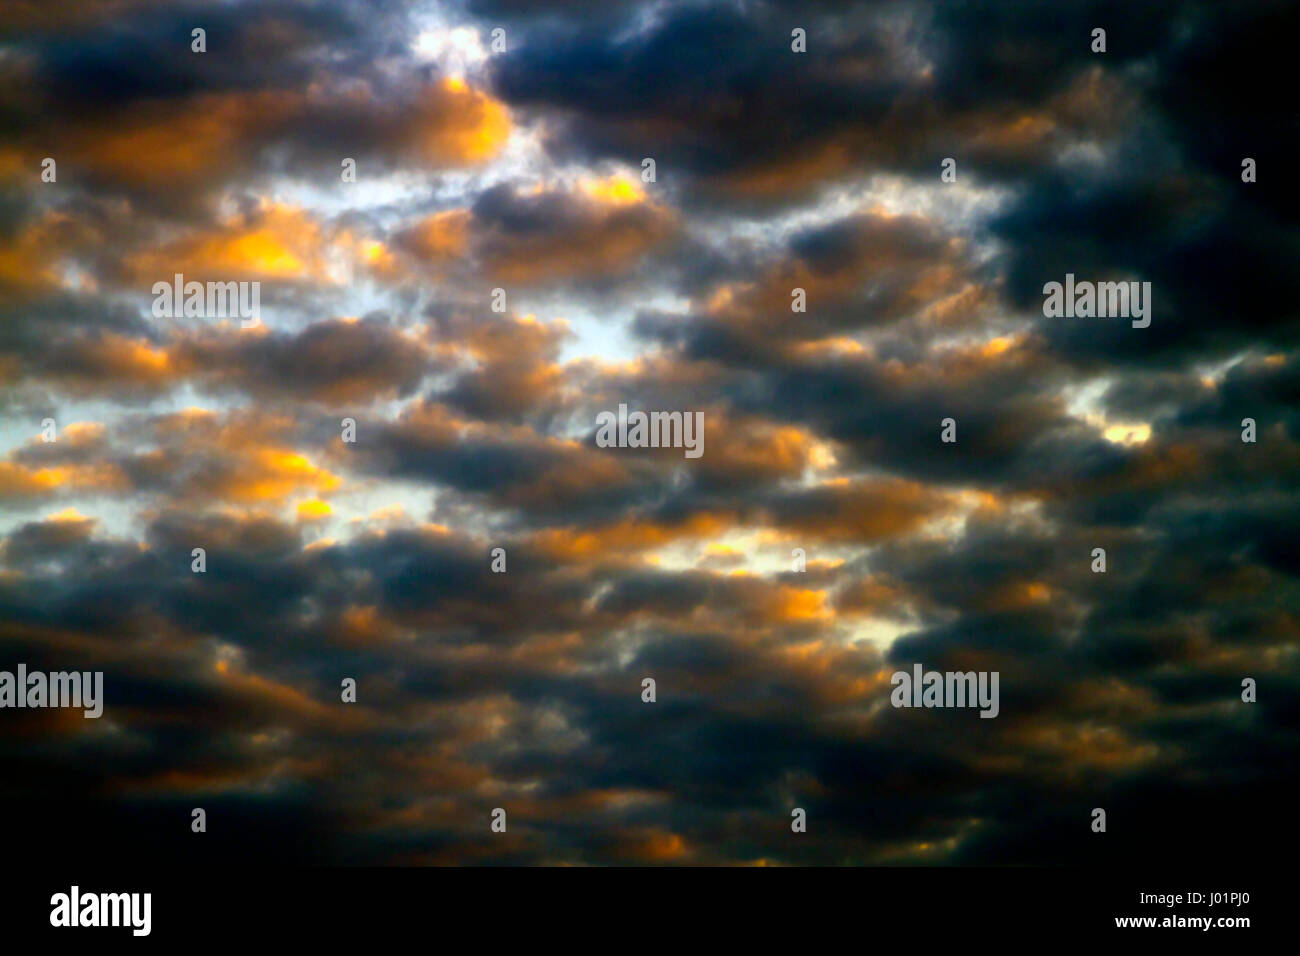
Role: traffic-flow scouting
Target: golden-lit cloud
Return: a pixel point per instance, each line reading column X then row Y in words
column 630, row 535
column 275, row 241
column 19, row 481
column 457, row 124
column 177, row 142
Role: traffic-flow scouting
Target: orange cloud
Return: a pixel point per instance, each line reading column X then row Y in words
column 29, row 258
column 862, row 511
column 457, row 124
column 19, row 481
column 632, row 534
column 177, row 142
column 274, row 242
column 596, row 228
column 440, row 236
column 242, row 459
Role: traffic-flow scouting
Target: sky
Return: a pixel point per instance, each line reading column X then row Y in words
column 828, row 536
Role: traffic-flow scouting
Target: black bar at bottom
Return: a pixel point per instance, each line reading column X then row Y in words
column 651, row 907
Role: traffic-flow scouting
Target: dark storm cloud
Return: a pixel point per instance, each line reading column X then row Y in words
column 895, row 86
column 332, row 361
column 1170, row 208
column 1216, row 264
column 33, row 334
column 514, row 468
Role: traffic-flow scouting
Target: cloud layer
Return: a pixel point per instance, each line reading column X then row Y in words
column 521, row 170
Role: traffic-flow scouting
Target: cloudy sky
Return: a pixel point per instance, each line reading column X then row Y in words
column 522, row 170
